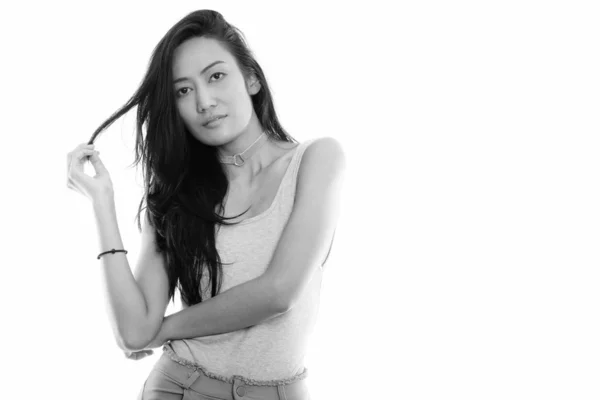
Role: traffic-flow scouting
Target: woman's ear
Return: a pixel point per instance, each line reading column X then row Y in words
column 253, row 85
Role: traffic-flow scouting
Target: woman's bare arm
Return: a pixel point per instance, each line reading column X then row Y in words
column 136, row 305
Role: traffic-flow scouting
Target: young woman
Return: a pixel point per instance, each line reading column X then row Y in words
column 240, row 218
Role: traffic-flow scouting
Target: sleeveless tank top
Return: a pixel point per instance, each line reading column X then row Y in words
column 274, row 350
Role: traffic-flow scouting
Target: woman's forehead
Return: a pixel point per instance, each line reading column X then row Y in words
column 199, row 52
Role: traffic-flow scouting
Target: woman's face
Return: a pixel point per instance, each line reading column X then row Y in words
column 207, row 82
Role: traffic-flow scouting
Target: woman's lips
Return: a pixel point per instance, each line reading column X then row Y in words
column 215, row 122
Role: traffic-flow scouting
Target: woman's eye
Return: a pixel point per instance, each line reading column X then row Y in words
column 218, row 73
column 179, row 92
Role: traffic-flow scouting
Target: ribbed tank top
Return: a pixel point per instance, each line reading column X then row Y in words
column 274, row 350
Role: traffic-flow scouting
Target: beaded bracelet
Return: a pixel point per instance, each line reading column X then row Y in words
column 113, row 251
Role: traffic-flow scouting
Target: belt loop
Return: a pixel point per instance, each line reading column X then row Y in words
column 191, row 379
column 281, row 392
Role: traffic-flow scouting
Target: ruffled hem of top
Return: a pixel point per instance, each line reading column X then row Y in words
column 254, row 382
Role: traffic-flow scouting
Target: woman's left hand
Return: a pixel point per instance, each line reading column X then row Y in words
column 138, row 355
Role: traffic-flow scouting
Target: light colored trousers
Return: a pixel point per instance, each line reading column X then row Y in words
column 170, row 380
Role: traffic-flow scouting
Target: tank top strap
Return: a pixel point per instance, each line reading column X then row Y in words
column 292, row 172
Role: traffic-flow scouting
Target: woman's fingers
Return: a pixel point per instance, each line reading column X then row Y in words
column 138, row 355
column 76, row 162
column 79, row 157
column 79, row 148
column 91, row 186
column 78, row 153
column 97, row 163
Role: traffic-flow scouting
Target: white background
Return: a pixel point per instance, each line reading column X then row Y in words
column 465, row 263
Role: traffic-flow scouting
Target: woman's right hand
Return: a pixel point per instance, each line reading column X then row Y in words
column 94, row 188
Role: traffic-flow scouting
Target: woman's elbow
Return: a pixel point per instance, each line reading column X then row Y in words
column 132, row 343
column 132, row 340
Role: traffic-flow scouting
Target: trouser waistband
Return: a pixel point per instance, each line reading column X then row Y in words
column 194, row 378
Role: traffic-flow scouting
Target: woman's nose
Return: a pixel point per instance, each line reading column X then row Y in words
column 203, row 101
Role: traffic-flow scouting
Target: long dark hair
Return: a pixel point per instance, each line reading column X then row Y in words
column 184, row 181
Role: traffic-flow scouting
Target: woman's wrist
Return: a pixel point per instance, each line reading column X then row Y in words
column 161, row 336
column 164, row 332
column 106, row 199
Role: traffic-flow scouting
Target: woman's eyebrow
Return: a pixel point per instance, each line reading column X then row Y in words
column 203, row 71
